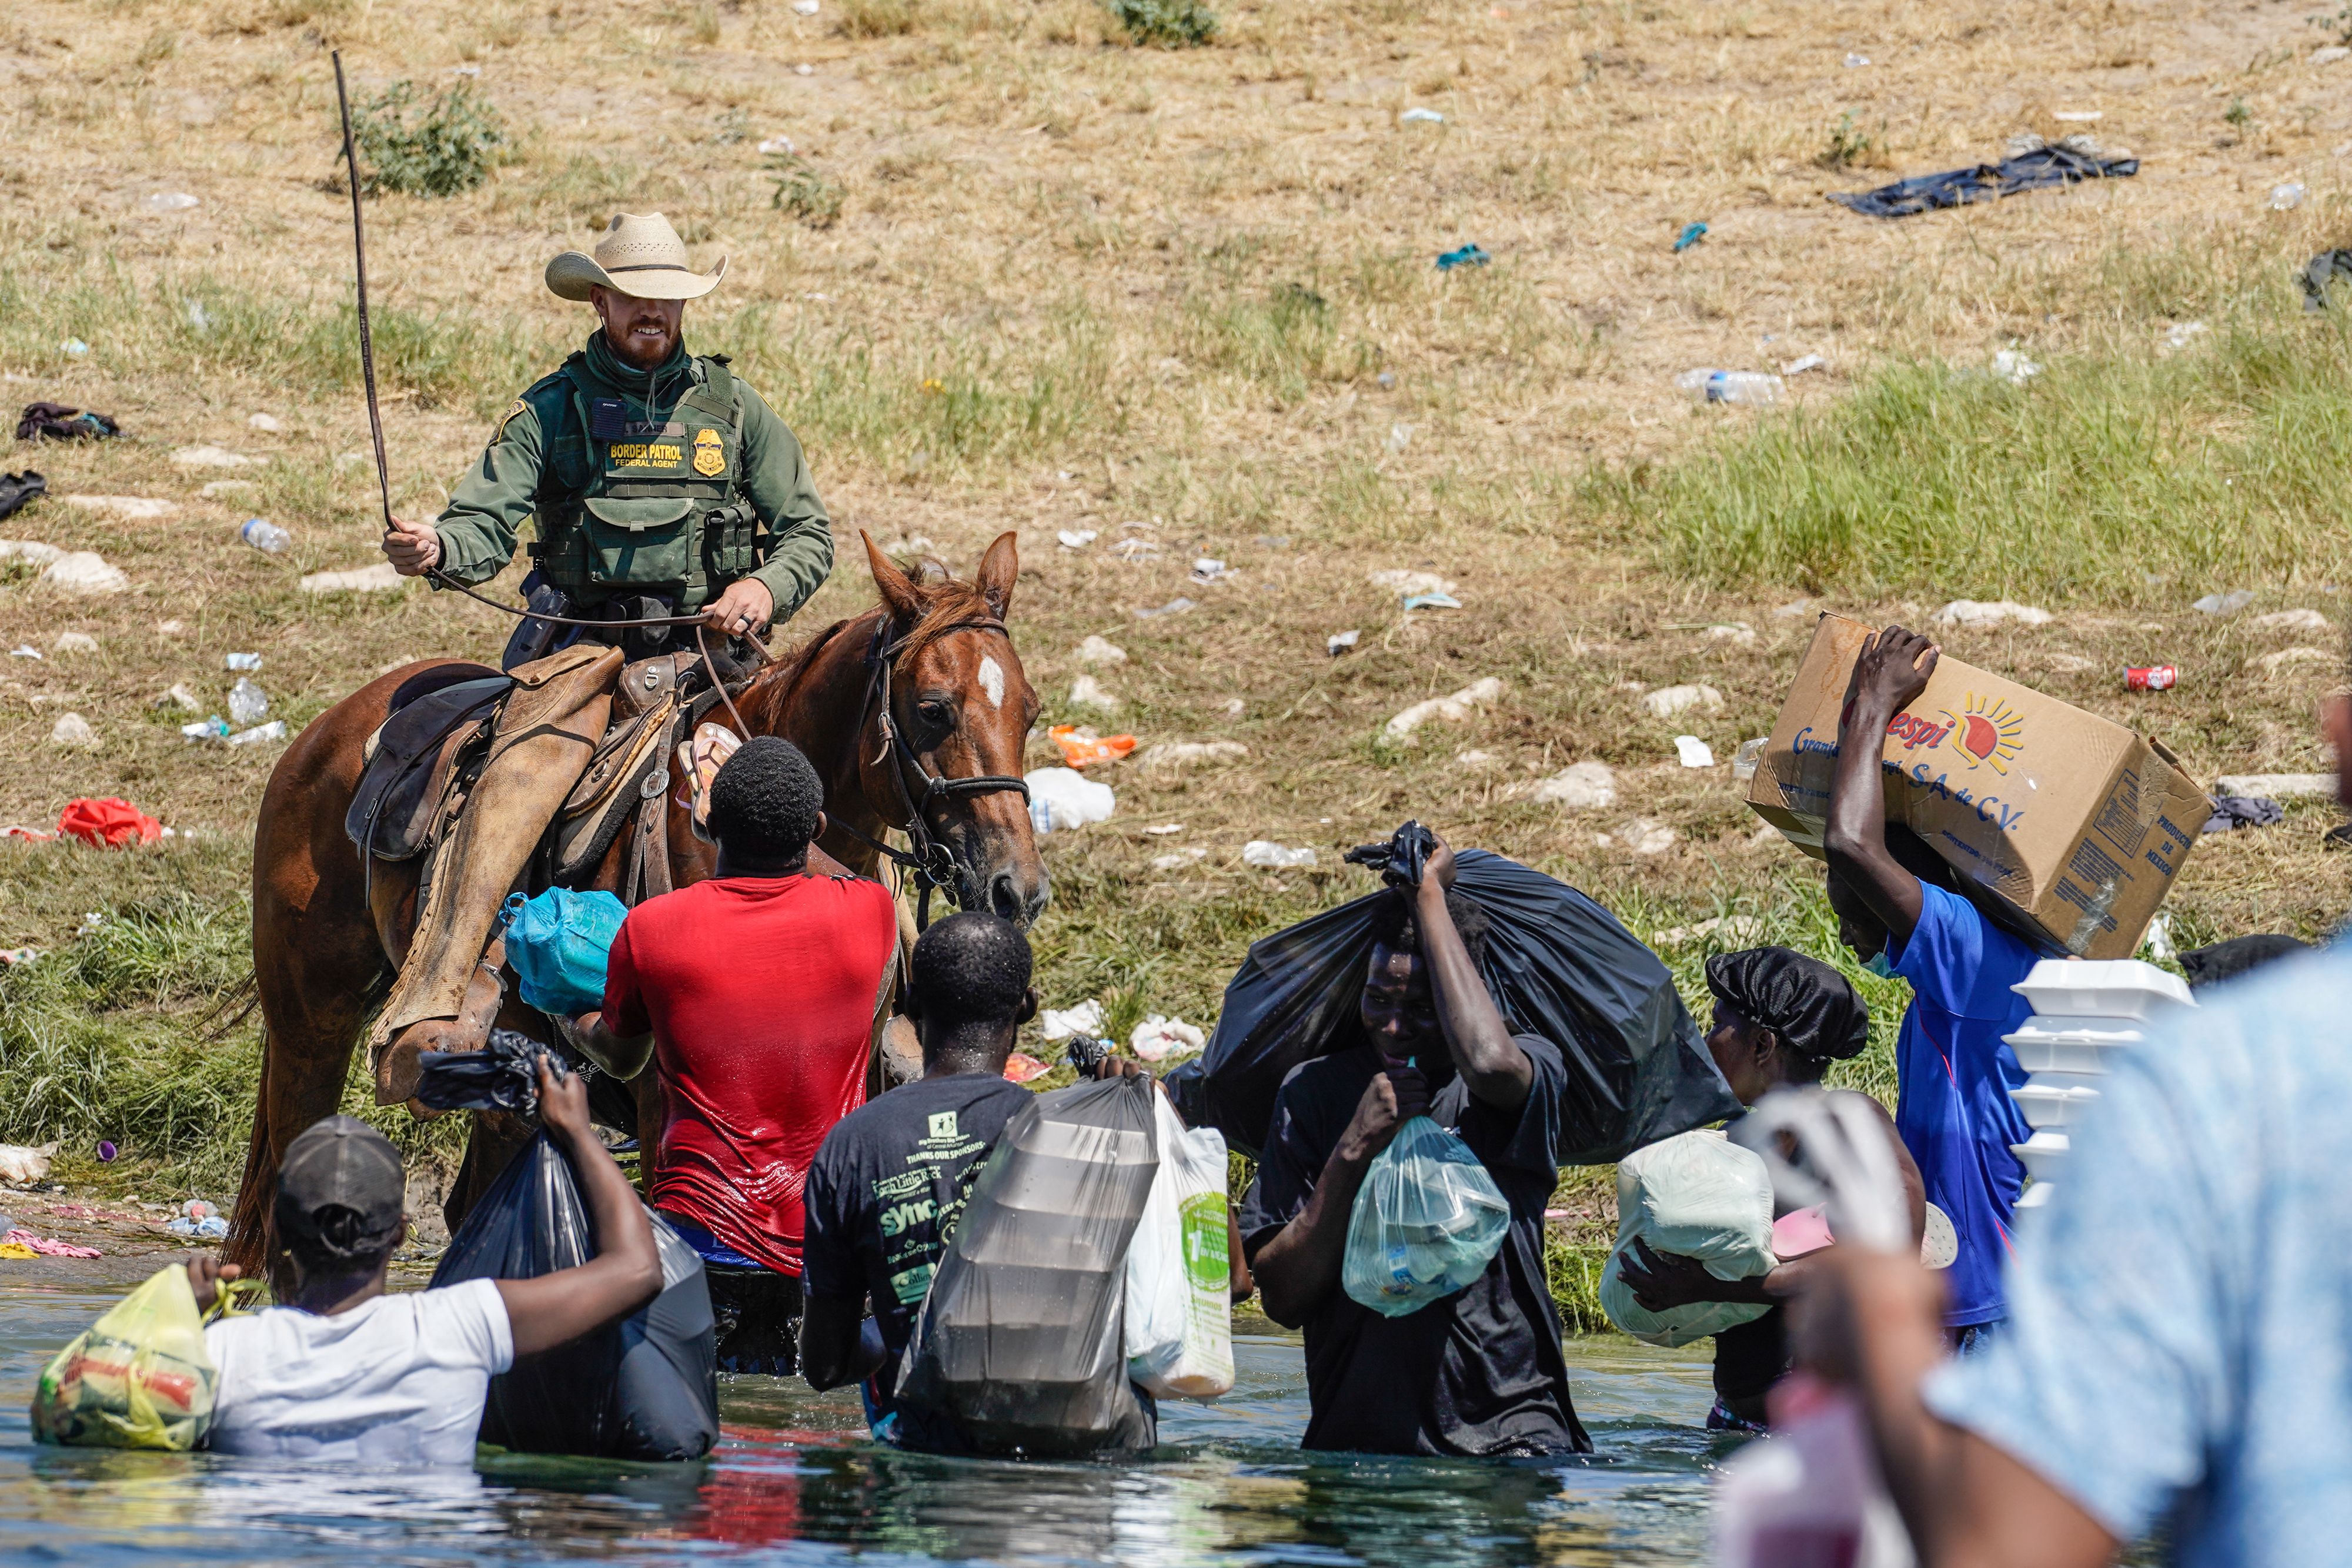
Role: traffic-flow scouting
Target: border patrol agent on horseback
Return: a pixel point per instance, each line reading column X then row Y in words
column 661, row 485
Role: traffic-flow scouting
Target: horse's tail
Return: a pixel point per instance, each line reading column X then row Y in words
column 231, row 1009
column 248, row 1224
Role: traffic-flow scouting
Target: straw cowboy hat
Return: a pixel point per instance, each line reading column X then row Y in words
column 638, row 255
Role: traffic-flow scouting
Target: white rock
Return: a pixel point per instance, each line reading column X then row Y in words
column 1404, row 584
column 72, row 729
column 1990, row 612
column 1668, row 701
column 1101, row 650
column 1694, row 752
column 1454, row 709
column 74, row 642
column 1088, row 692
column 85, row 572
column 1175, row 754
column 1275, row 857
column 2330, row 54
column 1478, row 759
column 378, row 578
column 1793, row 609
column 2294, row 620
column 31, row 551
column 2278, row 786
column 2285, row 658
column 1580, row 787
column 132, row 508
column 266, row 422
column 1738, row 634
column 1647, row 836
column 213, row 458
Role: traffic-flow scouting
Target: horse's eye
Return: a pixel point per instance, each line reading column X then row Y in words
column 935, row 715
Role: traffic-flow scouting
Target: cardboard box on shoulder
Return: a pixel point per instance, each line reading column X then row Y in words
column 2076, row 824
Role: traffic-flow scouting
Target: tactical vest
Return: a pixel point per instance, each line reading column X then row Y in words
column 648, row 507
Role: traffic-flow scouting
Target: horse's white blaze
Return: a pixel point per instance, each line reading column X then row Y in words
column 991, row 680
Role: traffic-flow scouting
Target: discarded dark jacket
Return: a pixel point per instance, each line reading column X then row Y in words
column 503, row 1077
column 1985, row 182
column 2228, row 960
column 645, row 1388
column 57, row 422
column 18, row 490
column 1557, row 964
column 2328, row 268
column 2243, row 811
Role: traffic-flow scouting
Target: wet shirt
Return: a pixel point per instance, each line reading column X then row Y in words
column 1478, row 1373
column 760, row 994
column 2179, row 1338
column 890, row 1184
column 1953, row 1074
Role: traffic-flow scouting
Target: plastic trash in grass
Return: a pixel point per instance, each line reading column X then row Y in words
column 1271, row 856
column 1468, row 255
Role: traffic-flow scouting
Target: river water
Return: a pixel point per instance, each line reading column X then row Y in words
column 796, row 1481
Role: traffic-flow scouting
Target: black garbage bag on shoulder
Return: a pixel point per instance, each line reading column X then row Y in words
column 1557, row 964
column 645, row 1388
column 1020, row 1343
column 501, row 1076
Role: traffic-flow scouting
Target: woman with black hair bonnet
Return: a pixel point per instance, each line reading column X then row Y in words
column 1779, row 1018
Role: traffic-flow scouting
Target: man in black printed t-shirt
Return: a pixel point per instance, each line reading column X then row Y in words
column 893, row 1176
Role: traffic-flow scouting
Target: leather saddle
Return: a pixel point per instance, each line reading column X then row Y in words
column 414, row 754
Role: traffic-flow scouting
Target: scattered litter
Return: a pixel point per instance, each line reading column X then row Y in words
column 18, row 491
column 241, row 662
column 2228, row 603
column 21, row 1165
column 1084, row 1021
column 2294, row 620
column 107, row 824
column 1386, row 380
column 169, row 201
column 1338, row 642
column 248, row 704
column 2150, row 677
column 2321, row 271
column 196, row 1218
column 1077, row 539
column 1454, row 709
column 1174, row 607
column 265, row 536
column 1419, row 116
column 381, row 577
column 2158, row 943
column 1101, row 650
column 803, row 69
column 2271, row 664
column 1694, row 752
column 1161, row 830
column 265, row 422
column 1084, row 749
column 2330, row 54
column 1990, row 612
column 74, row 347
column 75, row 642
column 132, row 508
column 72, row 729
column 1061, row 801
column 1799, row 367
column 1399, row 437
column 42, row 1245
column 1172, row 753
column 2181, row 334
column 1404, row 584
column 1757, row 387
column 1737, row 632
column 1233, row 706
column 2278, row 786
column 1274, row 857
column 2234, row 811
column 1646, row 836
column 85, row 572
column 1668, row 701
column 25, row 651
column 1020, row 1067
column 106, row 1150
column 1793, row 609
column 1692, row 233
column 1468, row 255
column 1431, row 602
column 1743, row 761
column 12, row 957
column 2014, row 368
column 1088, row 692
column 1178, row 861
column 2028, row 170
column 274, row 731
column 1855, row 62
column 2286, row 197
column 213, row 458
column 776, row 144
column 1209, row 570
column 1157, row 1038
column 171, row 628
column 1580, row 787
column 1731, row 930
column 804, row 7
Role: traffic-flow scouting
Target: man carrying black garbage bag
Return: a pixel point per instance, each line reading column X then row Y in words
column 1479, row 1372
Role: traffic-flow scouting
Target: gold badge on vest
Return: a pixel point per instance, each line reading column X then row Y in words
column 710, row 454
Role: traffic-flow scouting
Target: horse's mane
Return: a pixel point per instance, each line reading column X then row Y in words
column 946, row 603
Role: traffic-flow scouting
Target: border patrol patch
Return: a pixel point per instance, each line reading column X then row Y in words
column 710, row 454
column 505, row 419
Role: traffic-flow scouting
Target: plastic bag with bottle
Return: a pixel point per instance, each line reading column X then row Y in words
column 1179, row 1337
column 1427, row 1221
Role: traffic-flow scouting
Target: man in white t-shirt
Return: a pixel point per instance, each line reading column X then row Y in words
column 344, row 1372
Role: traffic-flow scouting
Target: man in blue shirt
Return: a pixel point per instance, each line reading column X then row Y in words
column 1899, row 910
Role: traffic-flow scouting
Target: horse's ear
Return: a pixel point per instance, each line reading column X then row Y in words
column 897, row 591
column 999, row 568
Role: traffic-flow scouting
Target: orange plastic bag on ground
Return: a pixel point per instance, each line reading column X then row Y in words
column 1082, row 750
column 108, row 824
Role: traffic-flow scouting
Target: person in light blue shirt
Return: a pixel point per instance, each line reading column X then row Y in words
column 1899, row 909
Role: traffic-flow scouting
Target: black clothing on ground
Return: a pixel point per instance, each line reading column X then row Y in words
column 61, row 422
column 2228, row 960
column 1985, row 182
column 19, row 490
column 1479, row 1374
column 2232, row 812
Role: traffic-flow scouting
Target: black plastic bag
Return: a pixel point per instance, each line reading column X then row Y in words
column 1021, row 1342
column 1558, row 965
column 644, row 1388
column 502, row 1076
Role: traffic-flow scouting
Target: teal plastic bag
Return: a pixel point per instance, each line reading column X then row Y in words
column 558, row 947
column 1427, row 1221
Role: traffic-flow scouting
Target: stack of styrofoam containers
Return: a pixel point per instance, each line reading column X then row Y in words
column 2084, row 1013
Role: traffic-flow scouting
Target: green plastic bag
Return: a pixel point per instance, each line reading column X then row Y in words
column 137, row 1378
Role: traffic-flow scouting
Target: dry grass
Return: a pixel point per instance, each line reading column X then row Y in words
column 1179, row 294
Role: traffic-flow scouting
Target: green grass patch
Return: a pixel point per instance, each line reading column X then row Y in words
column 439, row 144
column 1165, row 24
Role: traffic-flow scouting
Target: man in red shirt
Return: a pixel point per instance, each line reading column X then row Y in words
column 756, row 993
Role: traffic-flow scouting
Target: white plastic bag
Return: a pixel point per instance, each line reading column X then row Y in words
column 1698, row 1196
column 1179, row 1339
column 1062, row 799
column 1427, row 1221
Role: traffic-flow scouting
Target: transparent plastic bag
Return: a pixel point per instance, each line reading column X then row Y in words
column 1427, row 1221
column 137, row 1378
column 1180, row 1336
column 1696, row 1196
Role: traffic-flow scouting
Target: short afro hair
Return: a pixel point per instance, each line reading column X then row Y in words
column 1397, row 928
column 971, row 968
column 765, row 801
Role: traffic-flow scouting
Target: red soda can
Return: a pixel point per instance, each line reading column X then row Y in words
column 2154, row 678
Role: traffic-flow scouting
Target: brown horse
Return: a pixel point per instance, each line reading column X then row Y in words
column 932, row 663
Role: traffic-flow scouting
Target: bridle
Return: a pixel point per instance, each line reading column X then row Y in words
column 928, row 861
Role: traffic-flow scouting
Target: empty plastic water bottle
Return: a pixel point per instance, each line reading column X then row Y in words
column 247, row 704
column 265, row 536
column 1731, row 386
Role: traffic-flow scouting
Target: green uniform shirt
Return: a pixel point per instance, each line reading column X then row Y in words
column 522, row 465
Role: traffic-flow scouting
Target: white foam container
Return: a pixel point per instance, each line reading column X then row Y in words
column 2035, row 1196
column 2062, row 1045
column 2103, row 989
column 2043, row 1152
column 2052, row 1105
